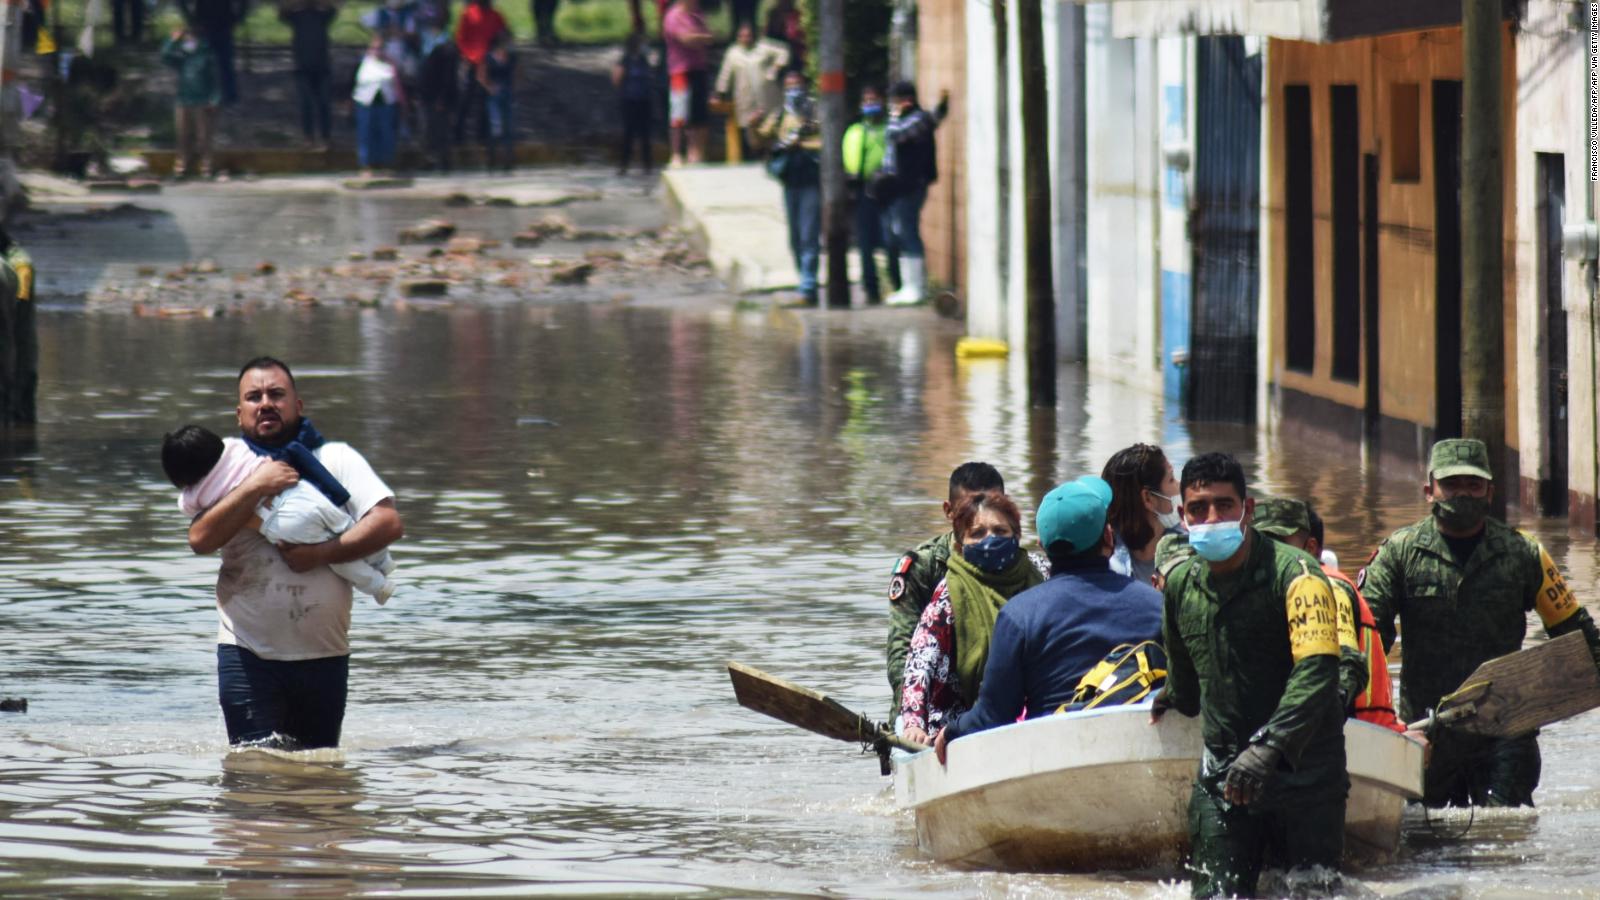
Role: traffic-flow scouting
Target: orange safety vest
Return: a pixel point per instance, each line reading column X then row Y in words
column 1376, row 703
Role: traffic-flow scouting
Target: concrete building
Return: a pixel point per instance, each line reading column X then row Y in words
column 1360, row 235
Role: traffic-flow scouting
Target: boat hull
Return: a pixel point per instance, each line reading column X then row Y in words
column 1106, row 790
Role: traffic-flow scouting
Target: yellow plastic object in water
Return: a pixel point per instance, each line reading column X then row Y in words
column 981, row 348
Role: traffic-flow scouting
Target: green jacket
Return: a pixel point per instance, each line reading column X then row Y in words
column 1457, row 616
column 198, row 81
column 916, row 573
column 1255, row 653
column 864, row 143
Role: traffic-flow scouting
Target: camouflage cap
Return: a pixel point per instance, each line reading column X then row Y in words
column 1171, row 551
column 1281, row 517
column 1459, row 456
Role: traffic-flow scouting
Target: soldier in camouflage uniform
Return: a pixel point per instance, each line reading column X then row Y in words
column 1462, row 584
column 917, row 572
column 1289, row 521
column 1251, row 630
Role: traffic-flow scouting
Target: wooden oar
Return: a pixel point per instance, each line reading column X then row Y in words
column 1518, row 693
column 809, row 709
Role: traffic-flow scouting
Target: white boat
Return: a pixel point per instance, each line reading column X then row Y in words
column 1105, row 789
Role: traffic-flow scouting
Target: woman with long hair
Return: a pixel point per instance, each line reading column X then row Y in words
column 944, row 668
column 1144, row 506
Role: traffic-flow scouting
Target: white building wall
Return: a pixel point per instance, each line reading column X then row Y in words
column 1122, row 101
column 993, row 312
column 1552, row 65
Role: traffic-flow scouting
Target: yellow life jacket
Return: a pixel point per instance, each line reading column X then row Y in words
column 1127, row 675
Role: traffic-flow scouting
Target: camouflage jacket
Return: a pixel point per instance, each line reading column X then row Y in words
column 916, row 573
column 1256, row 653
column 1455, row 616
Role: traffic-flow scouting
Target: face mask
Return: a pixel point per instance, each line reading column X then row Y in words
column 189, row 44
column 993, row 554
column 1216, row 541
column 793, row 96
column 1461, row 512
column 872, row 110
column 1173, row 518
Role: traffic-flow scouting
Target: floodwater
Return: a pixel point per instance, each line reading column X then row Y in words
column 603, row 503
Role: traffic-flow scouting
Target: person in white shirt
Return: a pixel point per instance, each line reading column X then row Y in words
column 283, row 647
column 378, row 97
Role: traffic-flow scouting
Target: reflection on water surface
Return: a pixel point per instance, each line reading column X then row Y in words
column 603, row 503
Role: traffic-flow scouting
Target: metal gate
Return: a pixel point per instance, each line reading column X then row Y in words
column 1223, row 232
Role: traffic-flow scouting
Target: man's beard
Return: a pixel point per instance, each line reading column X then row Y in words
column 286, row 432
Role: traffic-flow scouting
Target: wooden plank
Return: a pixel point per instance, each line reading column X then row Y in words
column 807, row 708
column 1520, row 692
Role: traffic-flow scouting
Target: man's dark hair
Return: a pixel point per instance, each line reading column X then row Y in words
column 903, row 90
column 268, row 362
column 975, row 477
column 1212, row 468
column 1316, row 525
column 188, row 454
column 873, row 87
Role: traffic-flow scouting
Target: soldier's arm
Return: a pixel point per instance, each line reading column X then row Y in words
column 907, row 597
column 1182, row 690
column 1558, row 607
column 1380, row 583
column 1314, row 680
column 1352, row 662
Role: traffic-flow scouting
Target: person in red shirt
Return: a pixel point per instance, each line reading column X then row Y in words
column 479, row 25
column 689, row 75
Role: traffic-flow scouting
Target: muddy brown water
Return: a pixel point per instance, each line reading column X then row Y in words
column 603, row 502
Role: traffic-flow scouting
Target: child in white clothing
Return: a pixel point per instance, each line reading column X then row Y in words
column 206, row 467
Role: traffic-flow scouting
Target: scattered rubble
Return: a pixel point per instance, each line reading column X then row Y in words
column 471, row 267
column 429, row 231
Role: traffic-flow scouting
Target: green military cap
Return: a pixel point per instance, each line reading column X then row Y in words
column 1281, row 517
column 1172, row 550
column 1459, row 456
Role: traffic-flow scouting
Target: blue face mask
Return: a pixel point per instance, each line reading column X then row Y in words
column 1216, row 541
column 872, row 110
column 793, row 96
column 993, row 554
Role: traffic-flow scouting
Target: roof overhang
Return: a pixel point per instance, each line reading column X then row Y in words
column 1320, row 21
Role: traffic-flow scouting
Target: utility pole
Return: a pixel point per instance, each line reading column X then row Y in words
column 835, row 195
column 1002, row 148
column 1483, row 365
column 1040, row 277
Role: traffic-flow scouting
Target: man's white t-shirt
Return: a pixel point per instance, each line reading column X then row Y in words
column 277, row 613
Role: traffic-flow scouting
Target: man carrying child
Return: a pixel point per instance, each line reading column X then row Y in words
column 283, row 637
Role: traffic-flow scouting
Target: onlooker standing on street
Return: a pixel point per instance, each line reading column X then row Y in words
column 635, row 82
column 476, row 30
column 785, row 25
column 309, row 21
column 198, row 94
column 750, row 72
column 498, row 73
column 864, row 143
column 214, row 21
column 796, row 140
column 438, row 91
column 378, row 97
column 688, row 69
column 544, row 21
column 911, row 161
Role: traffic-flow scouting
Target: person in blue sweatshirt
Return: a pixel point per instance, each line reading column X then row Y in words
column 1048, row 636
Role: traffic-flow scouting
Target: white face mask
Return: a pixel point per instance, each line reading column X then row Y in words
column 1173, row 518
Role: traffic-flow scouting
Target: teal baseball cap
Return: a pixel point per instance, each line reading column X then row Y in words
column 1074, row 512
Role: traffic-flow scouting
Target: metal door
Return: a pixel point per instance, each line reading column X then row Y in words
column 1552, row 207
column 1223, row 232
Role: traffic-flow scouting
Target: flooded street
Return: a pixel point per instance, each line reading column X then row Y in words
column 604, row 501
